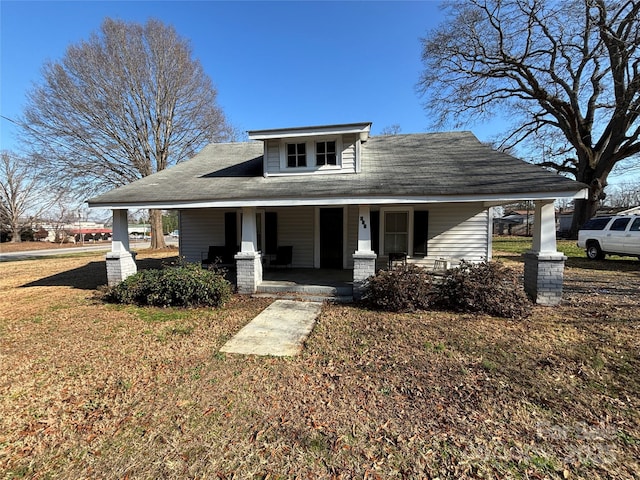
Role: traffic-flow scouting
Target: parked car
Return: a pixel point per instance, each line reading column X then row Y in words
column 611, row 235
column 175, row 233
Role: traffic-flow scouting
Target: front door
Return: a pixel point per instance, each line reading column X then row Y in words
column 331, row 238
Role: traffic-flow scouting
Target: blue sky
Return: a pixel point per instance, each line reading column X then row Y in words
column 275, row 64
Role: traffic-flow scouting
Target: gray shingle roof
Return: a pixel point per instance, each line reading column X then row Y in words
column 414, row 165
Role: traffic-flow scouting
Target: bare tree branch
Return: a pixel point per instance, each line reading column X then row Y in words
column 571, row 67
column 24, row 194
column 126, row 103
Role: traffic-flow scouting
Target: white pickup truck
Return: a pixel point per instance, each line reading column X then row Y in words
column 612, row 235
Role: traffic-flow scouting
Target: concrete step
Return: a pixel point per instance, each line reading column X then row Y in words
column 305, row 297
column 273, row 287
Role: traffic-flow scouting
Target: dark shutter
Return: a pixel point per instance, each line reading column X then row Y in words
column 231, row 231
column 374, row 219
column 420, row 229
column 271, row 232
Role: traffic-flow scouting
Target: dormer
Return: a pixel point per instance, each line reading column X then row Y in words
column 326, row 149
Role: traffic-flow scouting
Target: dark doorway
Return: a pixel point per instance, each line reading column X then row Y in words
column 231, row 231
column 271, row 232
column 331, row 238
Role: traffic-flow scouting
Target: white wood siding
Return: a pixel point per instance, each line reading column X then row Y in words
column 352, row 233
column 349, row 153
column 296, row 227
column 458, row 231
column 200, row 228
column 272, row 149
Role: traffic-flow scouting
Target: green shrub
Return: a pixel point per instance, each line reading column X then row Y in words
column 402, row 289
column 186, row 285
column 487, row 287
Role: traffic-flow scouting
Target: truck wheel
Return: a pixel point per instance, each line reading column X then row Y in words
column 594, row 252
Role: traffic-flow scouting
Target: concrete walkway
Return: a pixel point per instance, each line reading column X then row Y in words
column 279, row 330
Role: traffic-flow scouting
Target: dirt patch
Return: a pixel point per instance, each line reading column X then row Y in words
column 89, row 390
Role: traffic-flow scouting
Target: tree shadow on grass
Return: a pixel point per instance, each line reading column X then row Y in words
column 614, row 264
column 91, row 275
column 612, row 288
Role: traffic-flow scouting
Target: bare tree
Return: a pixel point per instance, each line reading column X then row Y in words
column 625, row 195
column 393, row 129
column 566, row 72
column 60, row 215
column 24, row 193
column 128, row 102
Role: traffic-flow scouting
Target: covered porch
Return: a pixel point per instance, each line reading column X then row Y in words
column 544, row 265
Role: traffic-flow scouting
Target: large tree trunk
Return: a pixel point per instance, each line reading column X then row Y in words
column 587, row 208
column 157, row 235
column 582, row 212
column 15, row 234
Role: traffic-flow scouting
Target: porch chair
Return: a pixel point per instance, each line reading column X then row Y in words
column 440, row 266
column 217, row 255
column 397, row 258
column 284, row 257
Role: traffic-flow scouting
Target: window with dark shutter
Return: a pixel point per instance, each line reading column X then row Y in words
column 396, row 232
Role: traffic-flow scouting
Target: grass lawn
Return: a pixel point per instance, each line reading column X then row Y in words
column 518, row 245
column 89, row 390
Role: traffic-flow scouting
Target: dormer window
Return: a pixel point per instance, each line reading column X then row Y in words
column 310, row 155
column 326, row 153
column 296, row 155
column 324, row 149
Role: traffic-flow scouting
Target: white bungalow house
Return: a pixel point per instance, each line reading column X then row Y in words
column 342, row 199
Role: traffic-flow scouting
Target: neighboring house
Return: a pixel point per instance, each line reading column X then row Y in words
column 513, row 224
column 619, row 211
column 344, row 200
column 564, row 220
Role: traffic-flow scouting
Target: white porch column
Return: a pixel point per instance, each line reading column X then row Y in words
column 249, row 230
column 248, row 259
column 364, row 259
column 120, row 233
column 364, row 229
column 544, row 265
column 544, row 228
column 120, row 261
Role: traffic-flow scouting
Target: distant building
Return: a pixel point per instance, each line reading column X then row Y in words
column 79, row 231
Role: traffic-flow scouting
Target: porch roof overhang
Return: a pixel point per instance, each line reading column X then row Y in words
column 488, row 200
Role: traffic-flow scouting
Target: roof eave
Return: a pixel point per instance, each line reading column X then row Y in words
column 361, row 129
column 495, row 198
